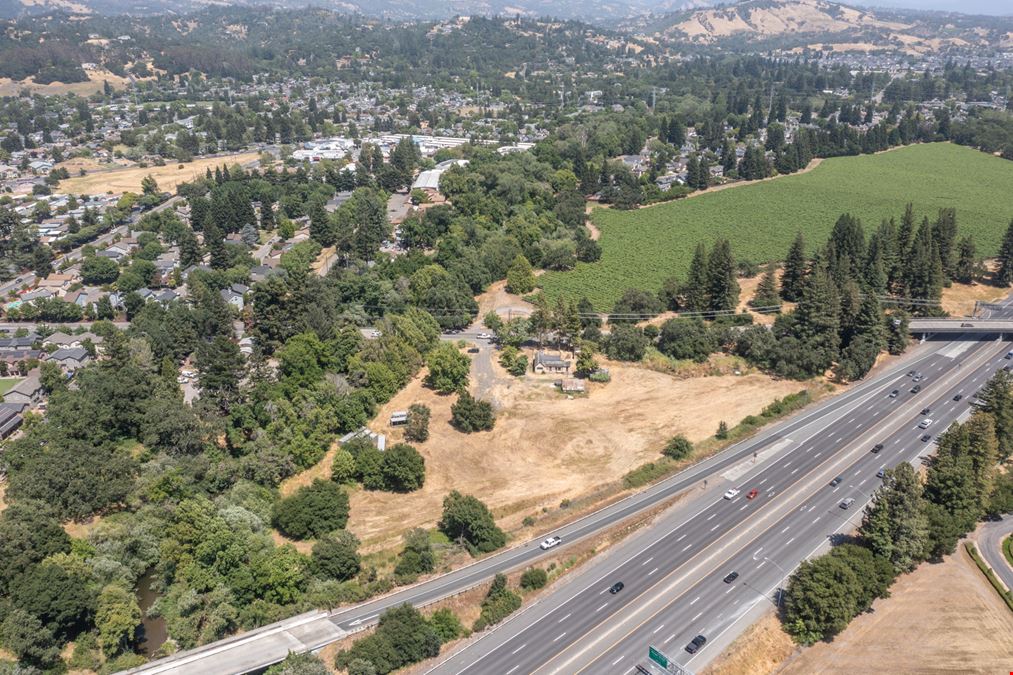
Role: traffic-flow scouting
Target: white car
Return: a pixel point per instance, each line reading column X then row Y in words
column 925, row 423
column 484, row 336
column 732, row 494
column 375, row 334
column 550, row 542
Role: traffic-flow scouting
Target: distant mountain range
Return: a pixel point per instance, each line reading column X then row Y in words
column 585, row 10
column 822, row 25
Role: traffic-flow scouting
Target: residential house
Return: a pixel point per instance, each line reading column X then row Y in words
column 27, row 391
column 16, row 343
column 13, row 356
column 10, row 419
column 548, row 363
column 57, row 283
column 70, row 359
column 235, row 295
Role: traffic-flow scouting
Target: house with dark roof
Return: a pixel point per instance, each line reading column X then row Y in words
column 27, row 391
column 10, row 419
column 549, row 363
column 70, row 358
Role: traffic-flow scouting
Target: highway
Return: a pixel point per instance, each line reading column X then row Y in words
column 271, row 644
column 673, row 575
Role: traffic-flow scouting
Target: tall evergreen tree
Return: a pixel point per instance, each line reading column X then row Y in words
column 795, row 270
column 696, row 288
column 817, row 317
column 905, row 236
column 722, row 286
column 895, row 526
column 1004, row 271
column 967, row 266
column 767, row 294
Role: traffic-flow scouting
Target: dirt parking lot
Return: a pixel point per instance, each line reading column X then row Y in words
column 942, row 618
column 546, row 447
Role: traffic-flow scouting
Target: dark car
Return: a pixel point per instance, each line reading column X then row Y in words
column 616, row 587
column 473, row 350
column 958, row 397
column 732, row 576
column 876, row 448
column 915, row 389
column 695, row 644
column 926, row 438
column 910, row 373
column 926, row 411
column 967, row 325
column 894, row 393
column 836, row 481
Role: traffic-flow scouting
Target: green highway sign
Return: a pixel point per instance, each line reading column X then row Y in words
column 657, row 657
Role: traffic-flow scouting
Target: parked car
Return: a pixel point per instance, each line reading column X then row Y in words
column 732, row 494
column 550, row 542
column 484, row 336
column 473, row 350
column 846, row 504
column 695, row 644
column 730, row 577
column 616, row 587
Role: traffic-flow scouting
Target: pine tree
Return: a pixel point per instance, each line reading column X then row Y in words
column 895, row 526
column 795, row 270
column 907, row 230
column 1004, row 271
column 696, row 287
column 767, row 294
column 817, row 317
column 722, row 286
column 967, row 266
column 692, row 170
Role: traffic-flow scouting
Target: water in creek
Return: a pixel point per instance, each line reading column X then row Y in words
column 153, row 632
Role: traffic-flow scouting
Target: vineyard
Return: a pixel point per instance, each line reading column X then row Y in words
column 641, row 248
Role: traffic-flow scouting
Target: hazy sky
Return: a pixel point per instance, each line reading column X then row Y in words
column 1000, row 7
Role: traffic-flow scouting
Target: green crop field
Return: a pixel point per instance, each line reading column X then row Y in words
column 641, row 248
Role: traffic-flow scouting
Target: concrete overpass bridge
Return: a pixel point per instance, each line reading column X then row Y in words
column 970, row 328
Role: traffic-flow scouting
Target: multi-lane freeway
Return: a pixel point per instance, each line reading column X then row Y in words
column 674, row 577
column 787, row 463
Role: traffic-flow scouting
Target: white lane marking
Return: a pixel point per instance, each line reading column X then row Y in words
column 519, row 648
column 730, row 589
column 787, row 464
column 816, row 519
column 857, row 472
column 896, row 442
column 715, row 527
column 652, row 571
column 837, row 488
column 601, row 608
column 863, row 481
column 657, row 629
column 668, row 639
column 513, row 669
column 688, row 546
column 795, row 471
column 681, row 538
column 712, row 516
column 787, row 543
column 817, row 454
column 564, row 618
column 786, row 528
column 647, row 561
column 839, row 439
column 851, row 420
column 744, row 507
column 561, row 635
column 763, row 481
column 619, row 659
column 871, row 406
column 694, row 601
column 697, row 617
column 762, row 563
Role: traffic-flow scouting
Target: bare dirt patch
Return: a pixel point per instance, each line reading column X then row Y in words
column 959, row 299
column 168, row 177
column 506, row 304
column 9, row 87
column 547, row 448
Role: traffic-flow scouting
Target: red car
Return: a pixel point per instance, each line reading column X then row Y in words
column 752, row 494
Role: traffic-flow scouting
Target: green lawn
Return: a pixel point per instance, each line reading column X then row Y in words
column 6, row 383
column 641, row 248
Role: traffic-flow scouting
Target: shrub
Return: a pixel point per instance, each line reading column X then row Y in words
column 470, row 414
column 404, row 469
column 312, row 511
column 499, row 603
column 534, row 578
column 468, row 520
column 447, row 625
column 678, row 447
column 417, row 429
column 336, row 557
column 343, row 467
column 417, row 556
column 722, row 432
column 402, row 637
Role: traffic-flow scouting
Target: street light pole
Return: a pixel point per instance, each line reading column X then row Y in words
column 780, row 585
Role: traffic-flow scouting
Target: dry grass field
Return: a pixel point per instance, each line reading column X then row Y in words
column 168, row 177
column 942, row 618
column 9, row 87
